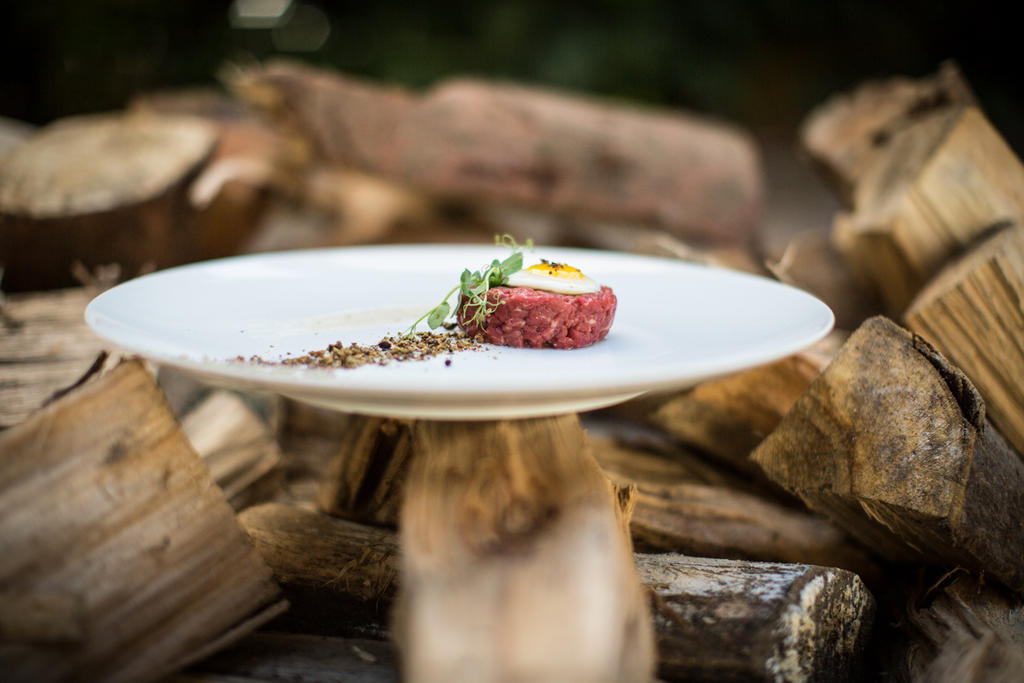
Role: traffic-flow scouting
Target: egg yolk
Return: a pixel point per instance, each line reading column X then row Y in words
column 559, row 270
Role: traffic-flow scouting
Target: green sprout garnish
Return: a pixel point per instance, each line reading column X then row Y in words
column 473, row 287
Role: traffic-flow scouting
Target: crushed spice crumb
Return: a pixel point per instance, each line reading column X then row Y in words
column 419, row 346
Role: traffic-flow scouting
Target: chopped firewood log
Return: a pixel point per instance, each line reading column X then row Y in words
column 973, row 313
column 943, row 182
column 236, row 446
column 968, row 633
column 728, row 417
column 674, row 510
column 891, row 442
column 812, row 263
column 708, row 521
column 646, row 461
column 290, row 657
column 338, row 576
column 515, row 561
column 108, row 188
column 364, row 479
column 721, row 620
column 111, row 520
column 45, row 346
column 309, row 438
column 844, row 135
column 515, row 145
column 250, row 157
column 708, row 612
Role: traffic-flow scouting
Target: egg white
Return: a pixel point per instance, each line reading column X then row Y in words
column 553, row 283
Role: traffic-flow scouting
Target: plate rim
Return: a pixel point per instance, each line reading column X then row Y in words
column 292, row 380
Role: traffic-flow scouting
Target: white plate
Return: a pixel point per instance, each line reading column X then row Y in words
column 677, row 324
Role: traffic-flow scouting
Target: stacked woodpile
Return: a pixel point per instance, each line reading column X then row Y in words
column 853, row 511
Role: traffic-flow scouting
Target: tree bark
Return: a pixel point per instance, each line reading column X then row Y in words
column 515, row 562
column 121, row 559
column 338, row 576
column 719, row 620
column 365, row 477
column 99, row 189
column 522, row 146
column 892, row 443
column 714, row 619
column 968, row 632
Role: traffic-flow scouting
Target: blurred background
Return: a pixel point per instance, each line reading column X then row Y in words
column 762, row 64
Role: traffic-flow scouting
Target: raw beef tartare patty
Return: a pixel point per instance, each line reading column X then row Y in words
column 535, row 318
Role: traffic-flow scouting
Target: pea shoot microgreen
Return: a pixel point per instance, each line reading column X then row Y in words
column 474, row 285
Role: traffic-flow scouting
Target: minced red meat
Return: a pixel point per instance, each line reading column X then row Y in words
column 535, row 318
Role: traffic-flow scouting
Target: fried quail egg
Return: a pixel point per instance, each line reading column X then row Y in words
column 554, row 277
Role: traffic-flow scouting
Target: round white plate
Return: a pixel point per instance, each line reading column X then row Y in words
column 676, row 324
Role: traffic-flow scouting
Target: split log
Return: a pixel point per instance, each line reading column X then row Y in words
column 515, row 561
column 943, row 183
column 892, row 443
column 968, row 633
column 844, row 135
column 708, row 612
column 291, row 657
column 648, row 461
column 110, row 520
column 973, row 313
column 309, row 438
column 674, row 512
column 364, row 479
column 719, row 620
column 99, row 189
column 45, row 346
column 338, row 576
column 239, row 450
column 728, row 417
column 523, row 146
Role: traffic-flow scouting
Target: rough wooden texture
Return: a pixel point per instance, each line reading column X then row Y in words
column 728, row 417
column 364, row 479
column 45, row 346
column 515, row 561
column 715, row 521
column 707, row 612
column 719, row 620
column 973, row 312
column 844, row 135
column 99, row 189
column 891, row 442
column 943, row 182
column 292, row 658
column 108, row 516
column 968, row 632
column 236, row 446
column 516, row 145
column 339, row 576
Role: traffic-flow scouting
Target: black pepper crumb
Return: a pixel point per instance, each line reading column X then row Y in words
column 419, row 346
